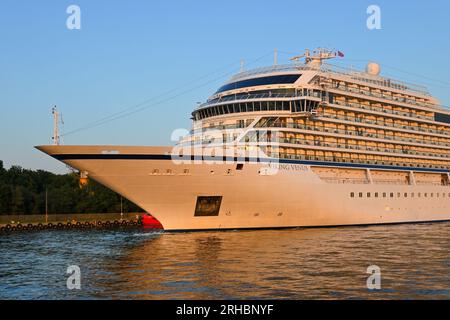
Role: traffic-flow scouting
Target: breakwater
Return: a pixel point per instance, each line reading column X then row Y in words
column 11, row 223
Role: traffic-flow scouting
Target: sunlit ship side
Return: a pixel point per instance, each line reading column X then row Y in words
column 296, row 145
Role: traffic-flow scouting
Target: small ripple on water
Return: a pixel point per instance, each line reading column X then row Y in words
column 282, row 264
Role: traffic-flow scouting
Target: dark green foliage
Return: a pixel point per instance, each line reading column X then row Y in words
column 24, row 192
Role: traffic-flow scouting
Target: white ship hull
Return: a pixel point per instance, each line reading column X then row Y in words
column 261, row 195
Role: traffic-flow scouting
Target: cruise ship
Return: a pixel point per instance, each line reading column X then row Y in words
column 307, row 144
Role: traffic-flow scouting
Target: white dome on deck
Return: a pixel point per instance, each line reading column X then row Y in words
column 373, row 68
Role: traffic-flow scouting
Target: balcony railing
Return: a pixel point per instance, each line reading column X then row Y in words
column 361, row 147
column 383, row 110
column 350, row 132
column 394, row 99
column 383, row 124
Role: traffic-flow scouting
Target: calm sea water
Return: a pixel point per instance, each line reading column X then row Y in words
column 327, row 263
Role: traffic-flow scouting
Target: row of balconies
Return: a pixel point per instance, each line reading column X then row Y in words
column 361, row 147
column 360, row 133
column 380, row 123
column 382, row 96
column 384, row 110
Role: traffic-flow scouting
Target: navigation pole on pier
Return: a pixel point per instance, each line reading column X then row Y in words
column 57, row 118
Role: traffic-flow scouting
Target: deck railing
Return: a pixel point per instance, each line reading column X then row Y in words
column 330, row 68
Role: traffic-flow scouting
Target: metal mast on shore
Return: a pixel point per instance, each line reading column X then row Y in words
column 56, row 119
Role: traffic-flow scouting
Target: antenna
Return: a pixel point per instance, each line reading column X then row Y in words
column 61, row 138
column 242, row 65
column 275, row 57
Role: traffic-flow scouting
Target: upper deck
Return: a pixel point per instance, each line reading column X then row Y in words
column 330, row 70
column 262, row 83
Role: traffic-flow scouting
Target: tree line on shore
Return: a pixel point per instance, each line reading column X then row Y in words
column 24, row 191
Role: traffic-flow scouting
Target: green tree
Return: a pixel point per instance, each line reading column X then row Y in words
column 24, row 191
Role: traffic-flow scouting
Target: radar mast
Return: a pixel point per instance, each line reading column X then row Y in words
column 317, row 56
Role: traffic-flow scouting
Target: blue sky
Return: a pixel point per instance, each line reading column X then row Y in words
column 128, row 52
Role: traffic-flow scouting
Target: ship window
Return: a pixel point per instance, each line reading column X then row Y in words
column 406, row 195
column 241, row 107
column 441, row 117
column 384, row 194
column 368, row 194
column 376, row 194
column 360, row 194
column 399, row 194
column 207, row 206
column 239, row 166
column 352, row 194
column 291, row 78
column 392, row 194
